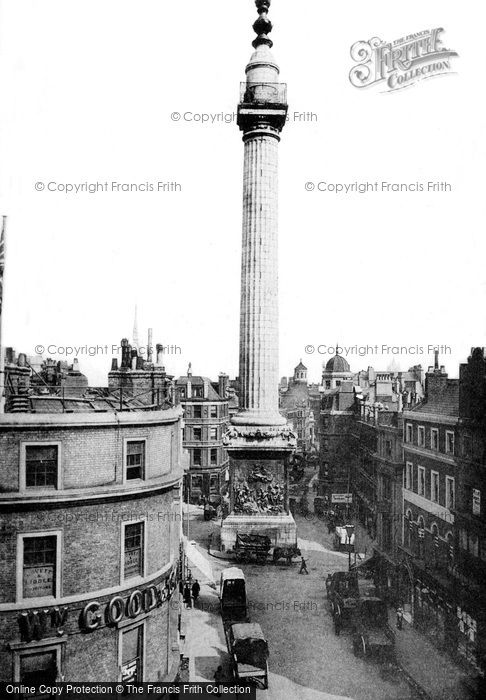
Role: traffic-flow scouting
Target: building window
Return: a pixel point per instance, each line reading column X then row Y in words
column 421, row 481
column 421, row 436
column 182, row 392
column 41, row 466
column 409, row 476
column 449, row 443
column 434, row 487
column 409, row 433
column 407, row 529
column 338, row 382
column 466, row 446
column 388, row 448
column 214, row 483
column 135, row 459
column 450, row 495
column 214, row 457
column 132, row 655
column 196, row 457
column 197, row 434
column 387, row 487
column 196, row 481
column 198, row 392
column 213, row 412
column 198, row 411
column 40, row 668
column 213, row 433
column 421, row 537
column 39, row 566
column 434, row 439
column 328, row 383
column 476, row 502
column 133, row 550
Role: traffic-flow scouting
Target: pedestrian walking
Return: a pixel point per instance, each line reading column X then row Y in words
column 303, row 566
column 187, row 596
column 196, row 588
column 218, row 679
column 399, row 618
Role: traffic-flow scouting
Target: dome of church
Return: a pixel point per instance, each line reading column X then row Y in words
column 337, row 364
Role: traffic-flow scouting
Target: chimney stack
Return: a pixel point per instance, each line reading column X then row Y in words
column 149, row 346
column 223, row 385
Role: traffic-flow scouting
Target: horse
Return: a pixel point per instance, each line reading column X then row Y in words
column 287, row 553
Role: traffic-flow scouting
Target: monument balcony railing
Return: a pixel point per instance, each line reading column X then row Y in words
column 263, row 94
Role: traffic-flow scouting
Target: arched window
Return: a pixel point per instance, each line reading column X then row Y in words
column 435, row 542
column 421, row 536
column 407, row 535
column 450, row 548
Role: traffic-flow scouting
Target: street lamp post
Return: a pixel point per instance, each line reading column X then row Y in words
column 349, row 532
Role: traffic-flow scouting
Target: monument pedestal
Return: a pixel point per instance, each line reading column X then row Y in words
column 258, row 488
column 281, row 529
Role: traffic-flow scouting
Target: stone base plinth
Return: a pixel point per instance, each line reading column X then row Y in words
column 281, row 529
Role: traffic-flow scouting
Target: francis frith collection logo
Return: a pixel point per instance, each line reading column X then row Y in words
column 400, row 63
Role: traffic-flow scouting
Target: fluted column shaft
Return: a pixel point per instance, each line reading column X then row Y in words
column 259, row 278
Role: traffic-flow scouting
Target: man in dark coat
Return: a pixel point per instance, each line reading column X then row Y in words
column 195, row 590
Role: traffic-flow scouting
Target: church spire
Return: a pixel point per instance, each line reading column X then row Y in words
column 262, row 26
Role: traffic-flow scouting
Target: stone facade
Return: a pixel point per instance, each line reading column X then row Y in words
column 206, row 420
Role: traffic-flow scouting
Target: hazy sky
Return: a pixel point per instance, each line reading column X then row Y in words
column 88, row 89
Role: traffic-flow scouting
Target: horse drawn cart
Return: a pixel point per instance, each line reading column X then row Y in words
column 252, row 547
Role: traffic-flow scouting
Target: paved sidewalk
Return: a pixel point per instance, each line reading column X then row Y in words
column 432, row 669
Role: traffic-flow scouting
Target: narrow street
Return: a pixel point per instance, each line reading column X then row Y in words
column 307, row 660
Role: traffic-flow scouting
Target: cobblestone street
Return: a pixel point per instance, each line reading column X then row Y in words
column 307, row 660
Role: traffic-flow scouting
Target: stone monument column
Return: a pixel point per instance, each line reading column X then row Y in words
column 259, row 441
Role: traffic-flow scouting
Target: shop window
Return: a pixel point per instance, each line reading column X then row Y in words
column 214, row 483
column 135, row 459
column 196, row 481
column 133, row 550
column 132, row 655
column 39, row 566
column 36, row 670
column 41, row 466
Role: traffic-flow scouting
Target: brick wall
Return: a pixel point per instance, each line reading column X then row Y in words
column 91, row 456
